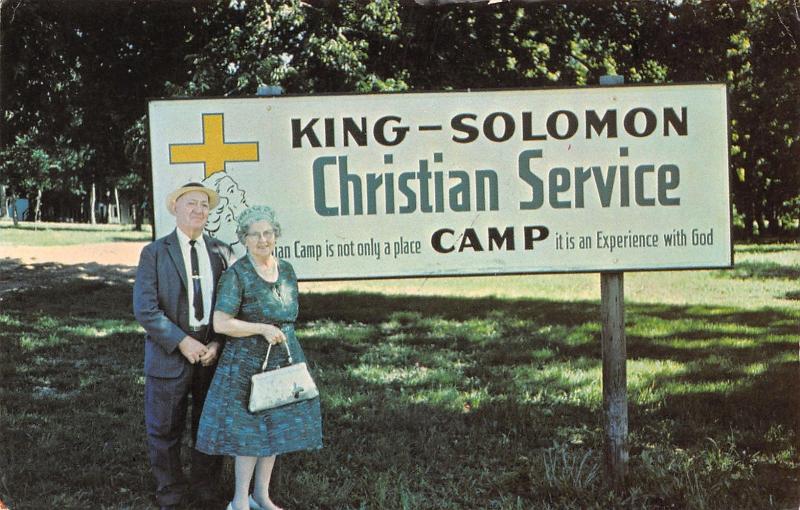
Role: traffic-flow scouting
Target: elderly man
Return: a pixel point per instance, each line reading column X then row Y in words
column 173, row 299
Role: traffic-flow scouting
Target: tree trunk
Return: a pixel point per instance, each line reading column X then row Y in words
column 37, row 211
column 137, row 218
column 762, row 227
column 116, row 202
column 92, row 202
column 14, row 212
column 749, row 219
column 3, row 209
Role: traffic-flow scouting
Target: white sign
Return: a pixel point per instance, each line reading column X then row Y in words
column 456, row 183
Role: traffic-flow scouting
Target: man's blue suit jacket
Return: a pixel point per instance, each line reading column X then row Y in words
column 161, row 302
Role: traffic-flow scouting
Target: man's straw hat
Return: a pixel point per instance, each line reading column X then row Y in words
column 213, row 198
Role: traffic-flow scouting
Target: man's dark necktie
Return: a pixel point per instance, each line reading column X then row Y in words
column 198, row 289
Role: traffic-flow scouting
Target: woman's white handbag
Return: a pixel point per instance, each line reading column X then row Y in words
column 281, row 386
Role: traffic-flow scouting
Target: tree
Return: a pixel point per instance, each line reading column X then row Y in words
column 384, row 46
column 76, row 76
column 137, row 181
column 301, row 48
column 764, row 77
column 36, row 117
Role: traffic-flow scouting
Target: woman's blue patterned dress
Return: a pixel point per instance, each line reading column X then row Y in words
column 226, row 426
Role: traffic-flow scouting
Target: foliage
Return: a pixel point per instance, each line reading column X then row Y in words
column 764, row 77
column 38, row 151
column 291, row 44
column 388, row 46
column 76, row 75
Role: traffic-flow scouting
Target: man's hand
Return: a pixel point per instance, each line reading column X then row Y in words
column 211, row 355
column 193, row 350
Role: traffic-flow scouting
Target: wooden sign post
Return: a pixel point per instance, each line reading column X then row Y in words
column 615, row 392
column 615, row 379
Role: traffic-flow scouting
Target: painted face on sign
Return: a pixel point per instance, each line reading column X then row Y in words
column 191, row 213
column 234, row 195
column 232, row 201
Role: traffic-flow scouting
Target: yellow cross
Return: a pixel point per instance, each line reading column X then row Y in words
column 213, row 152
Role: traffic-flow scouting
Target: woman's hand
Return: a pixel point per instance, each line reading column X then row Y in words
column 273, row 334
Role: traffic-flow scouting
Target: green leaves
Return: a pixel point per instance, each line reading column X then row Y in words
column 85, row 70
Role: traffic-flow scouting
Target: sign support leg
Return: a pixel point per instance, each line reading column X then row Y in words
column 615, row 392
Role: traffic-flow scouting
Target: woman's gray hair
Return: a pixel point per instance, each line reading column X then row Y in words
column 255, row 214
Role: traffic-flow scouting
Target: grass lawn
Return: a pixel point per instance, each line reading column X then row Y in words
column 450, row 393
column 763, row 276
column 56, row 234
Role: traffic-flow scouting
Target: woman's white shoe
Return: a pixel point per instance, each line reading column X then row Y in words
column 253, row 504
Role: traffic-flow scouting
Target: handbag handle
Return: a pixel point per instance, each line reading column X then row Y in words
column 269, row 349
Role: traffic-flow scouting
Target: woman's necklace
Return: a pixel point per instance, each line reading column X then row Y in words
column 267, row 271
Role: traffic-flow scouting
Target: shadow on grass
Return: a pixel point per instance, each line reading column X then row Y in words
column 761, row 270
column 134, row 238
column 516, row 325
column 767, row 248
column 429, row 402
column 20, row 281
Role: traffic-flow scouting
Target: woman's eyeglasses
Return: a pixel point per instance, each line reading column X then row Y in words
column 267, row 234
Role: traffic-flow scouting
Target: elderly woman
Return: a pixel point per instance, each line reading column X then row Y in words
column 256, row 305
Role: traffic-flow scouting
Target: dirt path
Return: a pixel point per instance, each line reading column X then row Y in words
column 112, row 254
column 32, row 267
